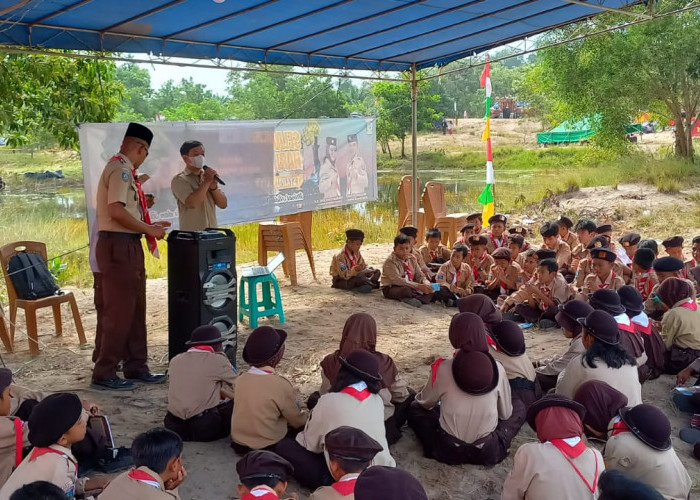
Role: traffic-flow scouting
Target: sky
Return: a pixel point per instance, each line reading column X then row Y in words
column 214, row 79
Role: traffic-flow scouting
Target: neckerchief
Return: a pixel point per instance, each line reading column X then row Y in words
column 260, row 493
column 492, row 343
column 624, row 323
column 345, row 486
column 18, row 440
column 433, row 254
column 351, row 258
column 608, row 281
column 259, row 371
column 201, row 348
column 498, row 243
column 690, row 304
column 407, row 268
column 358, row 391
column 619, row 426
column 434, row 369
column 152, row 242
column 572, row 451
column 475, row 268
column 144, row 477
column 643, row 282
column 641, row 321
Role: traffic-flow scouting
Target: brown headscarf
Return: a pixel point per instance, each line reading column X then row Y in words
column 359, row 332
column 482, row 306
column 674, row 290
column 602, row 403
column 467, row 332
column 558, row 422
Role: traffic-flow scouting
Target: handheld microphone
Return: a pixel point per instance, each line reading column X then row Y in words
column 218, row 179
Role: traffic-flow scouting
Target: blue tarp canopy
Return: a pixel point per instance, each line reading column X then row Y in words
column 380, row 35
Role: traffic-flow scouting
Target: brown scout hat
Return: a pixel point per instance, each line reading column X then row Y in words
column 603, row 254
column 364, row 364
column 673, row 242
column 570, row 312
column 497, row 218
column 630, row 239
column 469, row 225
column 205, row 335
column 603, row 228
column 501, row 253
column 477, row 239
column 602, row 326
column 521, row 230
column 649, row 424
column 600, row 241
column 262, row 464
column 349, row 443
column 475, row 372
column 263, row 344
column 509, row 338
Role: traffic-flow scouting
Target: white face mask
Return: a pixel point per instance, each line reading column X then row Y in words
column 197, row 161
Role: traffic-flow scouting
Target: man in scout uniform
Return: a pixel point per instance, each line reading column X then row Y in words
column 465, row 232
column 349, row 451
column 263, row 475
column 602, row 274
column 434, row 252
column 479, row 261
column 665, row 268
column 329, row 180
column 567, row 236
column 475, row 219
column 358, row 180
column 551, row 240
column 504, row 276
column 197, row 190
column 158, row 469
column 122, row 218
column 644, row 278
column 454, row 277
column 412, row 234
column 629, row 243
column 348, row 268
column 585, row 231
column 496, row 237
column 402, row 279
column 674, row 246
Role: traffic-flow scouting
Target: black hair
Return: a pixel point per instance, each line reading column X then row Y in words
column 39, row 490
column 345, row 378
column 650, row 244
column 269, row 481
column 401, row 239
column 351, row 466
column 433, row 232
column 586, row 225
column 615, row 485
column 550, row 264
column 613, row 355
column 462, row 249
column 549, row 229
column 530, row 252
column 188, row 146
column 155, row 448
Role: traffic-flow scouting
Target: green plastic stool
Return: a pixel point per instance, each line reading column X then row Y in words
column 248, row 304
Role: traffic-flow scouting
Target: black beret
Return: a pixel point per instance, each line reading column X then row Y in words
column 517, row 239
column 475, row 215
column 644, row 257
column 549, row 229
column 604, row 254
column 668, row 264
column 565, row 221
column 188, row 146
column 501, row 253
column 388, row 483
column 630, row 239
column 5, row 379
column 262, row 464
column 497, row 218
column 586, row 225
column 546, row 253
column 139, row 132
column 477, row 239
column 521, row 230
column 349, row 443
column 466, row 226
column 409, row 231
column 650, row 244
column 354, row 234
column 603, row 228
column 600, row 241
column 673, row 242
column 53, row 417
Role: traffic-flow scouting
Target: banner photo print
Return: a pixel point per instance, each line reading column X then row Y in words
column 269, row 168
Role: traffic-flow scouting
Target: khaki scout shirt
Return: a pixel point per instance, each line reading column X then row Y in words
column 680, row 326
column 662, row 470
column 195, row 382
column 493, row 243
column 558, row 290
column 341, row 265
column 123, row 487
column 8, row 444
column 563, row 254
column 396, row 394
column 117, row 185
column 19, row 395
column 625, row 379
column 570, row 239
column 394, row 273
column 540, row 471
column 512, row 278
column 447, row 277
column 198, row 218
column 441, row 252
column 645, row 282
column 584, row 269
column 481, row 268
column 465, row 416
column 593, row 283
column 265, row 406
column 515, row 366
column 59, row 468
column 330, row 493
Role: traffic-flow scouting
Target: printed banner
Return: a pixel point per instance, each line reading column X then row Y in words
column 269, row 168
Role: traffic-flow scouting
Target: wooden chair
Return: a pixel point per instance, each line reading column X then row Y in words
column 303, row 218
column 406, row 206
column 285, row 237
column 436, row 213
column 4, row 332
column 30, row 306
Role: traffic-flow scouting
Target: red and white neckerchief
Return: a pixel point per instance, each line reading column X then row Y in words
column 572, row 448
column 259, row 371
column 407, row 268
column 358, row 391
column 492, row 343
column 503, row 242
column 346, row 485
column 619, row 426
column 433, row 254
column 643, row 283
column 434, row 369
column 624, row 323
column 689, row 304
column 608, row 281
column 152, row 242
column 144, row 477
column 260, row 493
column 642, row 323
column 351, row 258
column 201, row 348
column 476, row 267
column 19, row 433
column 455, row 279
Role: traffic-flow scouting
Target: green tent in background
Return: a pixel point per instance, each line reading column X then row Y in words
column 582, row 130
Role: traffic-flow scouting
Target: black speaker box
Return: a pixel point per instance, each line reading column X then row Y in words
column 202, row 287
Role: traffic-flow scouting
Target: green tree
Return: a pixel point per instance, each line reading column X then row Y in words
column 209, row 109
column 136, row 104
column 52, row 94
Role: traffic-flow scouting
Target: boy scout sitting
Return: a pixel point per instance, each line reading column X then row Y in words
column 567, row 236
column 465, row 232
column 528, row 268
column 674, row 246
column 629, row 243
column 349, row 451
column 159, row 471
column 200, row 394
column 550, row 238
column 348, row 268
column 56, row 423
column 263, row 475
column 664, row 268
column 412, row 234
column 454, row 277
column 644, row 278
column 602, row 274
column 402, row 279
column 585, row 232
column 434, row 252
column 478, row 222
column 480, row 262
column 504, row 277
column 496, row 237
column 515, row 245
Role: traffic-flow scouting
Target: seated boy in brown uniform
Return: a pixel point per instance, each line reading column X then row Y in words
column 349, row 451
column 465, row 232
column 602, row 274
column 56, row 423
column 13, row 432
column 550, row 238
column 412, row 234
column 480, row 262
column 585, row 232
column 680, row 327
column 565, row 234
column 644, row 278
column 629, row 243
column 266, row 404
column 200, row 393
column 528, row 268
column 454, row 277
column 434, row 252
column 504, row 275
column 159, row 470
column 476, row 219
column 665, row 268
column 515, row 245
column 402, row 279
column 348, row 268
column 496, row 237
column 263, row 475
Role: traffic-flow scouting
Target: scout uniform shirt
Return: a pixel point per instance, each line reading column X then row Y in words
column 198, row 218
column 395, row 394
column 570, row 239
column 558, row 363
column 541, row 471
column 558, row 290
column 196, row 378
column 14, row 435
column 452, row 279
column 138, row 484
column 467, row 417
column 584, row 269
column 396, row 272
column 343, row 263
column 662, row 470
column 54, row 464
column 625, row 379
column 593, row 283
column 493, row 243
column 266, row 405
column 441, row 252
column 117, row 184
column 680, row 326
column 645, row 282
column 512, row 277
column 343, row 489
column 563, row 254
column 481, row 268
column 515, row 366
column 19, row 395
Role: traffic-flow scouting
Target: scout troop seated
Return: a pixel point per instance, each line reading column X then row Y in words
column 348, row 268
column 402, row 278
column 434, row 252
column 496, row 237
column 552, row 241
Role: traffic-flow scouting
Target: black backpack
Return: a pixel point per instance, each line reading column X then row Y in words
column 31, row 276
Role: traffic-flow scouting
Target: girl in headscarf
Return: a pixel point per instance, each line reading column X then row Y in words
column 602, row 403
column 463, row 413
column 560, row 465
column 680, row 326
column 360, row 332
column 483, row 307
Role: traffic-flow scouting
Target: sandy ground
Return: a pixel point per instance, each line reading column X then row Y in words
column 315, row 316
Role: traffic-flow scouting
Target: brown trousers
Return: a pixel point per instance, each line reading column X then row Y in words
column 210, row 425
column 406, row 292
column 357, row 281
column 122, row 295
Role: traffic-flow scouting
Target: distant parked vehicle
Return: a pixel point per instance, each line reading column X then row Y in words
column 356, row 114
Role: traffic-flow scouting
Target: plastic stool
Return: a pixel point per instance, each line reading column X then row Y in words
column 248, row 304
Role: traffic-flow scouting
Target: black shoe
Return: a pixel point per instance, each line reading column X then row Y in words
column 149, row 378
column 113, row 384
column 116, row 460
column 364, row 289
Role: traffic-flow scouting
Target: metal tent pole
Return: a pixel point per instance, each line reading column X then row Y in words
column 414, row 144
